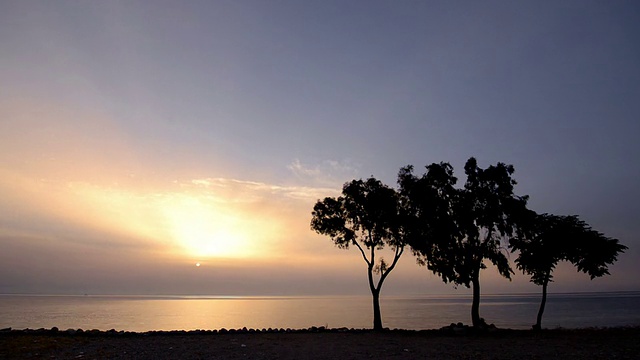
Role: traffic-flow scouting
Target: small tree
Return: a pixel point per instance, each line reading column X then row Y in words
column 454, row 231
column 367, row 216
column 552, row 239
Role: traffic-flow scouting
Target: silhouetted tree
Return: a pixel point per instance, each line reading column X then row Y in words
column 454, row 230
column 554, row 238
column 367, row 216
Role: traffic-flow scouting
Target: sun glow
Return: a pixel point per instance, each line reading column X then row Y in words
column 186, row 219
column 203, row 229
column 198, row 225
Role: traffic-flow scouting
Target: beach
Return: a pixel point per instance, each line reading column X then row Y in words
column 607, row 343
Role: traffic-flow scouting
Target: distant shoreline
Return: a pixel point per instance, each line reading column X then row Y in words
column 320, row 343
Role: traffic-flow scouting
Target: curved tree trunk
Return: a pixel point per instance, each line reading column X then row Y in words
column 475, row 305
column 375, row 290
column 377, row 318
column 375, row 294
column 538, row 324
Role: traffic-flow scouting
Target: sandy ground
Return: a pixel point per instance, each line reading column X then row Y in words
column 620, row 343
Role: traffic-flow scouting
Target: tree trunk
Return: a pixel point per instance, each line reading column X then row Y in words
column 538, row 324
column 377, row 318
column 475, row 305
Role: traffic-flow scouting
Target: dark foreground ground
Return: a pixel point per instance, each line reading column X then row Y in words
column 616, row 343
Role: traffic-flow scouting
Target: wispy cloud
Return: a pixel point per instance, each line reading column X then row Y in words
column 327, row 173
column 254, row 191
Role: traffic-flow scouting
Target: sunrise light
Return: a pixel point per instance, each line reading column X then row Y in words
column 203, row 230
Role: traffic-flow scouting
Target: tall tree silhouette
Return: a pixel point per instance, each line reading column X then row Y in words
column 367, row 216
column 489, row 213
column 454, row 231
column 553, row 238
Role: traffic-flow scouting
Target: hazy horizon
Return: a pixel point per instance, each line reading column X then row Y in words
column 140, row 139
column 466, row 295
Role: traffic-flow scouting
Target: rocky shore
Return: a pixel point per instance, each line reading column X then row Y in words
column 451, row 342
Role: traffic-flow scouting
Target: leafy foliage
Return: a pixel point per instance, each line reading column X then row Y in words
column 431, row 228
column 553, row 238
column 366, row 214
column 453, row 230
column 489, row 212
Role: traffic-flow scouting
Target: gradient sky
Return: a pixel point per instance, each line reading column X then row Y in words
column 140, row 138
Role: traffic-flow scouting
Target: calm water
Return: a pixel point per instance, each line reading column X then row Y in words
column 140, row 313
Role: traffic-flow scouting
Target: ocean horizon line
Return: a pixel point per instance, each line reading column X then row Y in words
column 327, row 296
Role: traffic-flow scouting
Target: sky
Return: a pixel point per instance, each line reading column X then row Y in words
column 179, row 147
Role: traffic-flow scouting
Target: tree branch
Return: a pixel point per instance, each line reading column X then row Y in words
column 396, row 257
column 370, row 272
column 364, row 256
column 372, row 261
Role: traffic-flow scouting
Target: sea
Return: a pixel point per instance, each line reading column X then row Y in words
column 148, row 313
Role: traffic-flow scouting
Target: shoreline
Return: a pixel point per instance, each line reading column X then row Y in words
column 451, row 330
column 321, row 343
